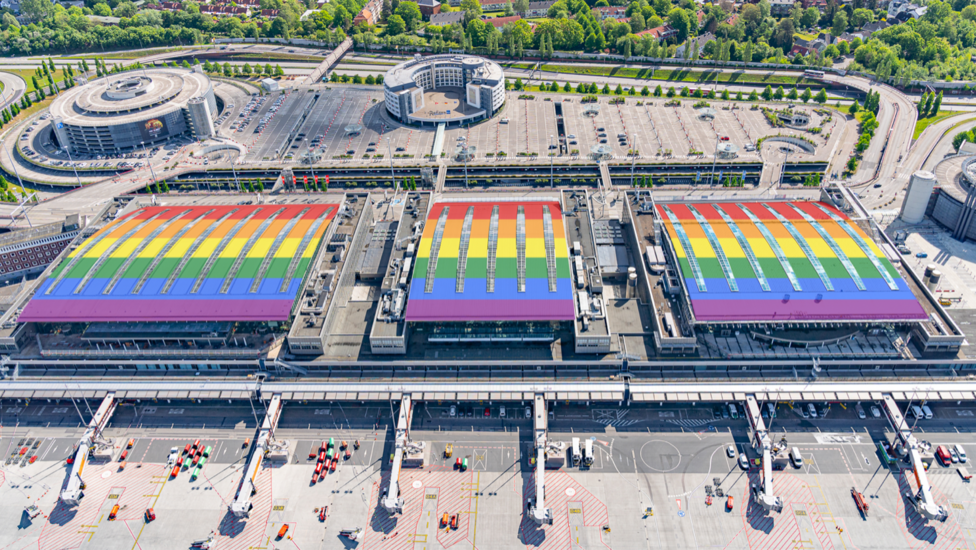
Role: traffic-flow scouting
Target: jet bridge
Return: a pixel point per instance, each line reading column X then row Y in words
column 537, row 505
column 923, row 500
column 73, row 490
column 392, row 501
column 242, row 503
column 762, row 493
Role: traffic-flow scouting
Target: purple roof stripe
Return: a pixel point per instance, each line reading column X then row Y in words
column 490, row 310
column 82, row 311
column 807, row 310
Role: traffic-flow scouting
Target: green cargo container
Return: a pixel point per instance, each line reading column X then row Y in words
column 206, row 452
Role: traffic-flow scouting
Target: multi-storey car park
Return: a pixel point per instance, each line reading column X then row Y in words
column 444, row 89
column 117, row 113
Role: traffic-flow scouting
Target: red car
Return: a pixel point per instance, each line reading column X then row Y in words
column 728, row 503
column 322, row 513
column 150, row 515
column 725, row 138
column 944, row 456
column 487, row 411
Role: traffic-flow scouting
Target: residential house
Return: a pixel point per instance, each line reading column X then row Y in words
column 443, row 19
column 223, row 10
column 165, row 6
column 539, row 9
column 499, row 22
column 429, row 7
column 902, row 10
column 819, row 4
column 12, row 5
column 493, row 5
column 269, row 13
column 370, row 13
column 608, row 12
column 700, row 40
column 661, row 33
column 780, row 8
column 818, row 44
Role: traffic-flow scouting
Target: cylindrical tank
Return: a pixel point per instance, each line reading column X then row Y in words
column 631, row 285
column 934, row 280
column 917, row 198
column 928, row 271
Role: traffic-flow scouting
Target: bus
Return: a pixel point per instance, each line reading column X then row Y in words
column 884, row 455
column 810, row 73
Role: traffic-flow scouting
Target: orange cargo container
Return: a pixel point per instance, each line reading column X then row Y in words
column 115, row 510
column 282, row 531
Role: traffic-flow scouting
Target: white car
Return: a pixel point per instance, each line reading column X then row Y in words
column 730, row 450
column 453, row 411
column 743, row 462
column 875, row 412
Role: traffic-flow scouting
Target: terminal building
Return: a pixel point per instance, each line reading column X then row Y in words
column 449, row 89
column 570, row 283
column 120, row 113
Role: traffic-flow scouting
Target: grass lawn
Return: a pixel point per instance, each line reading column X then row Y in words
column 685, row 75
column 804, row 35
column 26, row 74
column 924, row 123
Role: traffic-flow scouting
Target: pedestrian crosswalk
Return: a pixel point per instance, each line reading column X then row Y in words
column 615, row 418
column 691, row 422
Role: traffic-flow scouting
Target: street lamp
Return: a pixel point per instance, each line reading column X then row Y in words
column 711, row 179
column 72, row 164
column 149, row 161
column 389, row 149
column 19, row 181
column 633, row 157
column 551, row 181
column 783, row 172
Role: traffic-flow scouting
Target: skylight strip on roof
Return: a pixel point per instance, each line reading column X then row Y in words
column 193, row 248
column 805, row 247
column 774, row 244
column 744, row 244
column 723, row 261
column 465, row 242
column 689, row 253
column 838, row 251
column 435, row 250
column 864, row 246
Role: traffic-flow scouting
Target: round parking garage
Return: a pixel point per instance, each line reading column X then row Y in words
column 449, row 89
column 121, row 113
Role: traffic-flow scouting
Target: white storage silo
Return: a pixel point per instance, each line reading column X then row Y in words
column 917, row 198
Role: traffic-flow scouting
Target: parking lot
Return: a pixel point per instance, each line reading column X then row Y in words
column 525, row 129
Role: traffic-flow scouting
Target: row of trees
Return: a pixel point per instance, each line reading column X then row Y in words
column 929, row 105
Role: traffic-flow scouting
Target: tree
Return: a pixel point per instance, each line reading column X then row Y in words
column 606, row 89
column 840, row 23
column 679, row 21
column 793, row 94
column 521, row 6
column 934, row 111
column 125, row 9
column 395, row 25
column 411, row 13
column 472, row 10
column 102, row 10
column 821, row 97
column 370, row 80
column 767, row 94
column 268, row 70
column 806, row 95
column 645, row 92
column 618, row 90
column 10, row 21
column 508, row 10
column 810, row 17
column 854, row 108
column 670, row 91
column 279, row 71
column 738, row 96
column 658, row 91
column 36, row 10
column 783, row 35
column 247, row 69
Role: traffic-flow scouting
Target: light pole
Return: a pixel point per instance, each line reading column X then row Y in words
column 711, row 179
column 633, row 158
column 72, row 164
column 464, row 155
column 551, row 181
column 311, row 164
column 148, row 161
column 19, row 181
column 389, row 149
column 783, row 171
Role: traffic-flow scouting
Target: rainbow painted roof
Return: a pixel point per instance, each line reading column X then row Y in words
column 492, row 261
column 187, row 263
column 783, row 261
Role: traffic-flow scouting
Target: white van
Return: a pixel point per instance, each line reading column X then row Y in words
column 501, row 411
column 575, row 450
column 962, row 453
column 588, row 453
column 812, row 410
column 927, row 412
column 772, row 410
column 732, row 412
column 917, row 412
column 796, row 458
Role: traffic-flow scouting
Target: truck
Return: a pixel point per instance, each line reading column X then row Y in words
column 575, row 449
column 588, row 453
